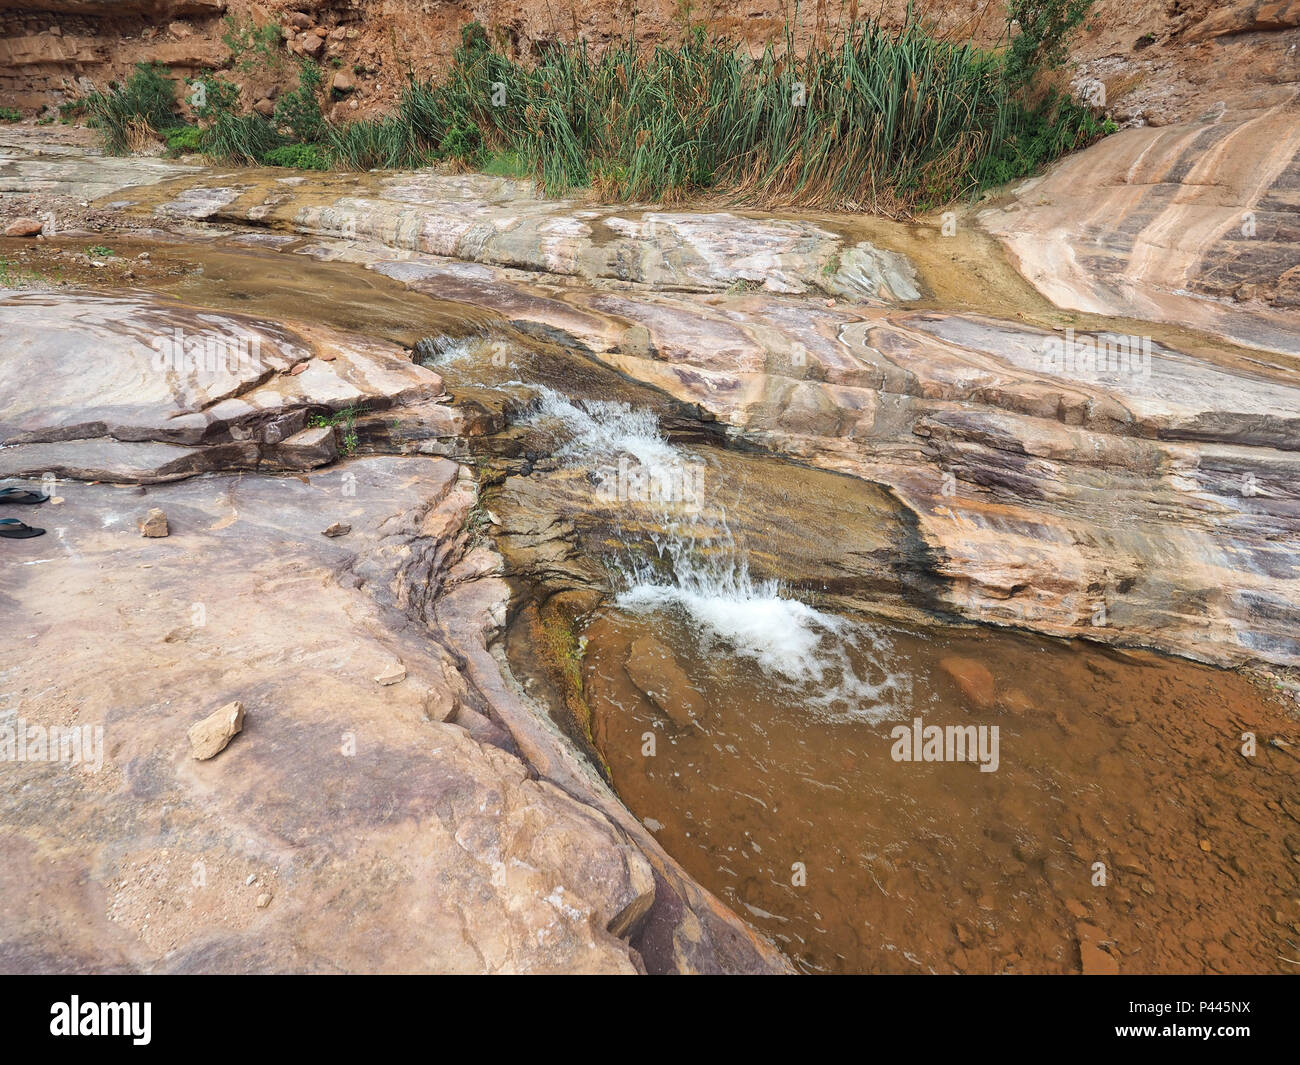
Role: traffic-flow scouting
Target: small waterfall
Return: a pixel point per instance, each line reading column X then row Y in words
column 692, row 563
column 442, row 350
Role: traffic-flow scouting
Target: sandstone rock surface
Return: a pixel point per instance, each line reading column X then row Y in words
column 130, row 388
column 1149, row 504
column 390, row 842
column 154, row 524
column 362, row 828
column 1151, row 221
column 502, row 222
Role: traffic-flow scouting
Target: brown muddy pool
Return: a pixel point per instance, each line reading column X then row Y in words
column 1122, row 829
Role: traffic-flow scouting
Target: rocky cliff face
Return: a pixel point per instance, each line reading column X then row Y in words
column 1159, row 62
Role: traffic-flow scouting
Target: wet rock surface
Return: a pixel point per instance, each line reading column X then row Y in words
column 501, row 222
column 1150, row 504
column 374, row 796
column 1089, row 479
column 862, row 445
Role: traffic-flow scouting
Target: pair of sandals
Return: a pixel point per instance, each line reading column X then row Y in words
column 12, row 528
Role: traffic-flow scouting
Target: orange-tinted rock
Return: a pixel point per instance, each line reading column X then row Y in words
column 24, row 227
column 974, row 680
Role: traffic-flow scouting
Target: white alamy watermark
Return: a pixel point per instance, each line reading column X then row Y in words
column 679, row 485
column 213, row 353
column 69, row 744
column 920, row 742
column 1095, row 357
column 75, row 1017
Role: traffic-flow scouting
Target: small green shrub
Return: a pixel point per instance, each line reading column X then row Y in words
column 1043, row 43
column 463, row 142
column 344, row 424
column 10, row 114
column 182, row 140
column 1036, row 136
column 252, row 45
column 298, row 157
column 300, row 109
column 211, row 95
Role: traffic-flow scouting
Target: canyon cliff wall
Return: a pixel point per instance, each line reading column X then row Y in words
column 1159, row 61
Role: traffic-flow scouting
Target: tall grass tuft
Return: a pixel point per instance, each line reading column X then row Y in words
column 891, row 121
column 128, row 115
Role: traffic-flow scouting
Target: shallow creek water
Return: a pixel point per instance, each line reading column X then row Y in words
column 1085, row 808
column 791, row 806
column 747, row 666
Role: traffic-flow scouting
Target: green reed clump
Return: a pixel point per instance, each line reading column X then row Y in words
column 887, row 120
column 891, row 121
column 126, row 114
column 226, row 136
column 377, row 144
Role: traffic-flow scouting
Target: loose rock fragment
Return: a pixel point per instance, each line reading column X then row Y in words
column 209, row 737
column 441, row 704
column 339, row 528
column 154, row 524
column 1094, row 960
column 394, row 674
column 24, row 227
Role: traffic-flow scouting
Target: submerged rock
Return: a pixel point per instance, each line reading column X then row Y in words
column 974, row 680
column 655, row 672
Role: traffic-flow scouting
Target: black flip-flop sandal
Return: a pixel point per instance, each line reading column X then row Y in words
column 21, row 495
column 13, row 529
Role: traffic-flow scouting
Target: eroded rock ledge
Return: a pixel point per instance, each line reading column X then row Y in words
column 416, row 824
column 1156, row 506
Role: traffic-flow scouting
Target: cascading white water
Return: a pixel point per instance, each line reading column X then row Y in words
column 695, row 566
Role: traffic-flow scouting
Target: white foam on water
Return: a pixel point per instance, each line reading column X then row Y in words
column 602, row 430
column 829, row 665
column 447, row 351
